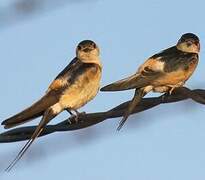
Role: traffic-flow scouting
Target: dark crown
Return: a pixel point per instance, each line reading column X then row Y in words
column 190, row 36
column 86, row 43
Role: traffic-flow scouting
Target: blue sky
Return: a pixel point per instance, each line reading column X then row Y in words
column 166, row 142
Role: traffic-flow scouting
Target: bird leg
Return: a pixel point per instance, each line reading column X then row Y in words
column 172, row 87
column 69, row 111
column 75, row 116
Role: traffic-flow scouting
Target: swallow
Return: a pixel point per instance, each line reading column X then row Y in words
column 76, row 85
column 162, row 72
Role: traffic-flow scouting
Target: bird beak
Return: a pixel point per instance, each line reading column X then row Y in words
column 87, row 49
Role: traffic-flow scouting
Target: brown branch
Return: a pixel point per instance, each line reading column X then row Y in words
column 85, row 120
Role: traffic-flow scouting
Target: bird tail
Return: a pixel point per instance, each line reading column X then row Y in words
column 34, row 111
column 139, row 94
column 134, row 81
column 48, row 115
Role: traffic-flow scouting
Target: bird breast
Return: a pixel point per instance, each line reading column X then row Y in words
column 82, row 90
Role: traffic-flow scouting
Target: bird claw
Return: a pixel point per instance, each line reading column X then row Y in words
column 171, row 90
column 163, row 97
column 74, row 118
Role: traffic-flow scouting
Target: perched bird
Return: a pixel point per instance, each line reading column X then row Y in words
column 76, row 85
column 162, row 72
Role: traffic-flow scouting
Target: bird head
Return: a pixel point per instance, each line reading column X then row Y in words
column 87, row 51
column 189, row 43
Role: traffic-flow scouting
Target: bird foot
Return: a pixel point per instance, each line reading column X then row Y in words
column 74, row 118
column 164, row 96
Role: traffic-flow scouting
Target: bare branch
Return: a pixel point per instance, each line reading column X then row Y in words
column 86, row 120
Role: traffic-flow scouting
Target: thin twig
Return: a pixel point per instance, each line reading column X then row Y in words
column 86, row 120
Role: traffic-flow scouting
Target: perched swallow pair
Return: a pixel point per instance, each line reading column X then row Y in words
column 79, row 83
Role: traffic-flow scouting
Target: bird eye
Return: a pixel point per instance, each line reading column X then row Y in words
column 94, row 45
column 79, row 48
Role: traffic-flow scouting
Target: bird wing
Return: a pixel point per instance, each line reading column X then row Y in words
column 34, row 111
column 64, row 77
column 149, row 71
column 51, row 97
